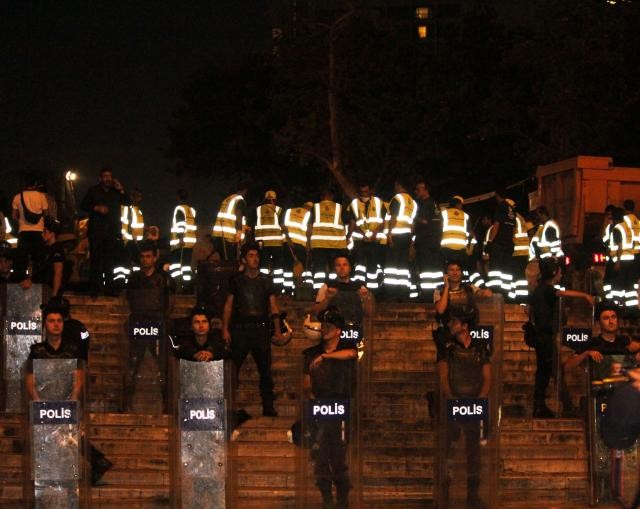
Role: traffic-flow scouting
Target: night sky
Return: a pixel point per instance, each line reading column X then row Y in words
column 90, row 84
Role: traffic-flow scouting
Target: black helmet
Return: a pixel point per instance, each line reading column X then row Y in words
column 332, row 315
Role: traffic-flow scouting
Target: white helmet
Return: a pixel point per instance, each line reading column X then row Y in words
column 312, row 330
column 285, row 330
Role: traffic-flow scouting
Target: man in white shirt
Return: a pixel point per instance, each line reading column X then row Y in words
column 30, row 221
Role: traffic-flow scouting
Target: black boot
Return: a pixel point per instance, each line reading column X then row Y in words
column 268, row 410
column 473, row 497
column 99, row 465
column 542, row 411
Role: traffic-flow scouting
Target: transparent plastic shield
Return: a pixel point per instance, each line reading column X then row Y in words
column 468, row 420
column 574, row 330
column 328, row 445
column 22, row 328
column 613, row 472
column 57, row 474
column 202, row 473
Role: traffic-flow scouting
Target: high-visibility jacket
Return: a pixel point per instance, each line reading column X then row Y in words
column 626, row 242
column 382, row 237
column 634, row 223
column 327, row 229
column 268, row 229
column 455, row 229
column 368, row 216
column 550, row 248
column 487, row 236
column 534, row 243
column 296, row 220
column 226, row 220
column 520, row 238
column 183, row 228
column 132, row 223
column 8, row 237
column 407, row 211
column 606, row 239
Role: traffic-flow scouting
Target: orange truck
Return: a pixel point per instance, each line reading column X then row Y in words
column 576, row 192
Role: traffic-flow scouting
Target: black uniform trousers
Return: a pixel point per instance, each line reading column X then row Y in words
column 104, row 253
column 328, row 455
column 254, row 339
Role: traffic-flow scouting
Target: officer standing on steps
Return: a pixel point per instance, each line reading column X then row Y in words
column 464, row 370
column 499, row 246
column 428, row 231
column 268, row 234
column 351, row 298
column 250, row 307
column 183, row 238
column 229, row 228
column 329, row 372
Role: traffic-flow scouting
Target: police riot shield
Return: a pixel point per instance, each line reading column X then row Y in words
column 201, row 466
column 327, row 434
column 469, row 414
column 57, row 473
column 613, row 472
column 574, row 330
column 22, row 328
column 145, row 386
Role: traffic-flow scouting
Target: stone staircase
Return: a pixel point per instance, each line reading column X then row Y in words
column 397, row 433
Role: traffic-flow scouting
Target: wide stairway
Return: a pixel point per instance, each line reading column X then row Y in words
column 541, row 461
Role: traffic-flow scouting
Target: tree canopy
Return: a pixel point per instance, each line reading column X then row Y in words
column 497, row 90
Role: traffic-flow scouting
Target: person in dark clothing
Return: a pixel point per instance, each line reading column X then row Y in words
column 464, row 370
column 427, row 228
column 201, row 345
column 499, row 245
column 150, row 292
column 541, row 310
column 74, row 331
column 56, row 346
column 609, row 342
column 102, row 202
column 52, row 271
column 8, row 274
column 329, row 372
column 250, row 307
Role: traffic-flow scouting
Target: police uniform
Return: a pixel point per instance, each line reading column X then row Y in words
column 621, row 251
column 188, row 347
column 608, row 267
column 633, row 223
column 500, row 250
column 269, row 235
column 546, row 241
column 368, row 219
column 427, row 243
column 132, row 230
column 461, row 298
column 296, row 223
column 328, row 238
column 519, row 290
column 397, row 277
column 465, row 377
column 183, row 238
column 250, row 328
column 149, row 298
column 456, row 237
column 229, row 227
column 329, row 442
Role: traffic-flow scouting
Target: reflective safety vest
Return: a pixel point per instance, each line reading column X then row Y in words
column 406, row 213
column 455, row 229
column 626, row 242
column 606, row 239
column 367, row 216
column 268, row 229
column 520, row 238
column 13, row 241
column 225, row 225
column 487, row 236
column 296, row 220
column 634, row 223
column 327, row 230
column 550, row 248
column 132, row 223
column 183, row 228
column 535, row 242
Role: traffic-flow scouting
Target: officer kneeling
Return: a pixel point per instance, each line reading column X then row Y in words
column 329, row 376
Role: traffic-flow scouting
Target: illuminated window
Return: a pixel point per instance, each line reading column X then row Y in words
column 422, row 12
column 422, row 32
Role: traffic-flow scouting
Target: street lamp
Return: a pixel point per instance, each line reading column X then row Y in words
column 70, row 176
